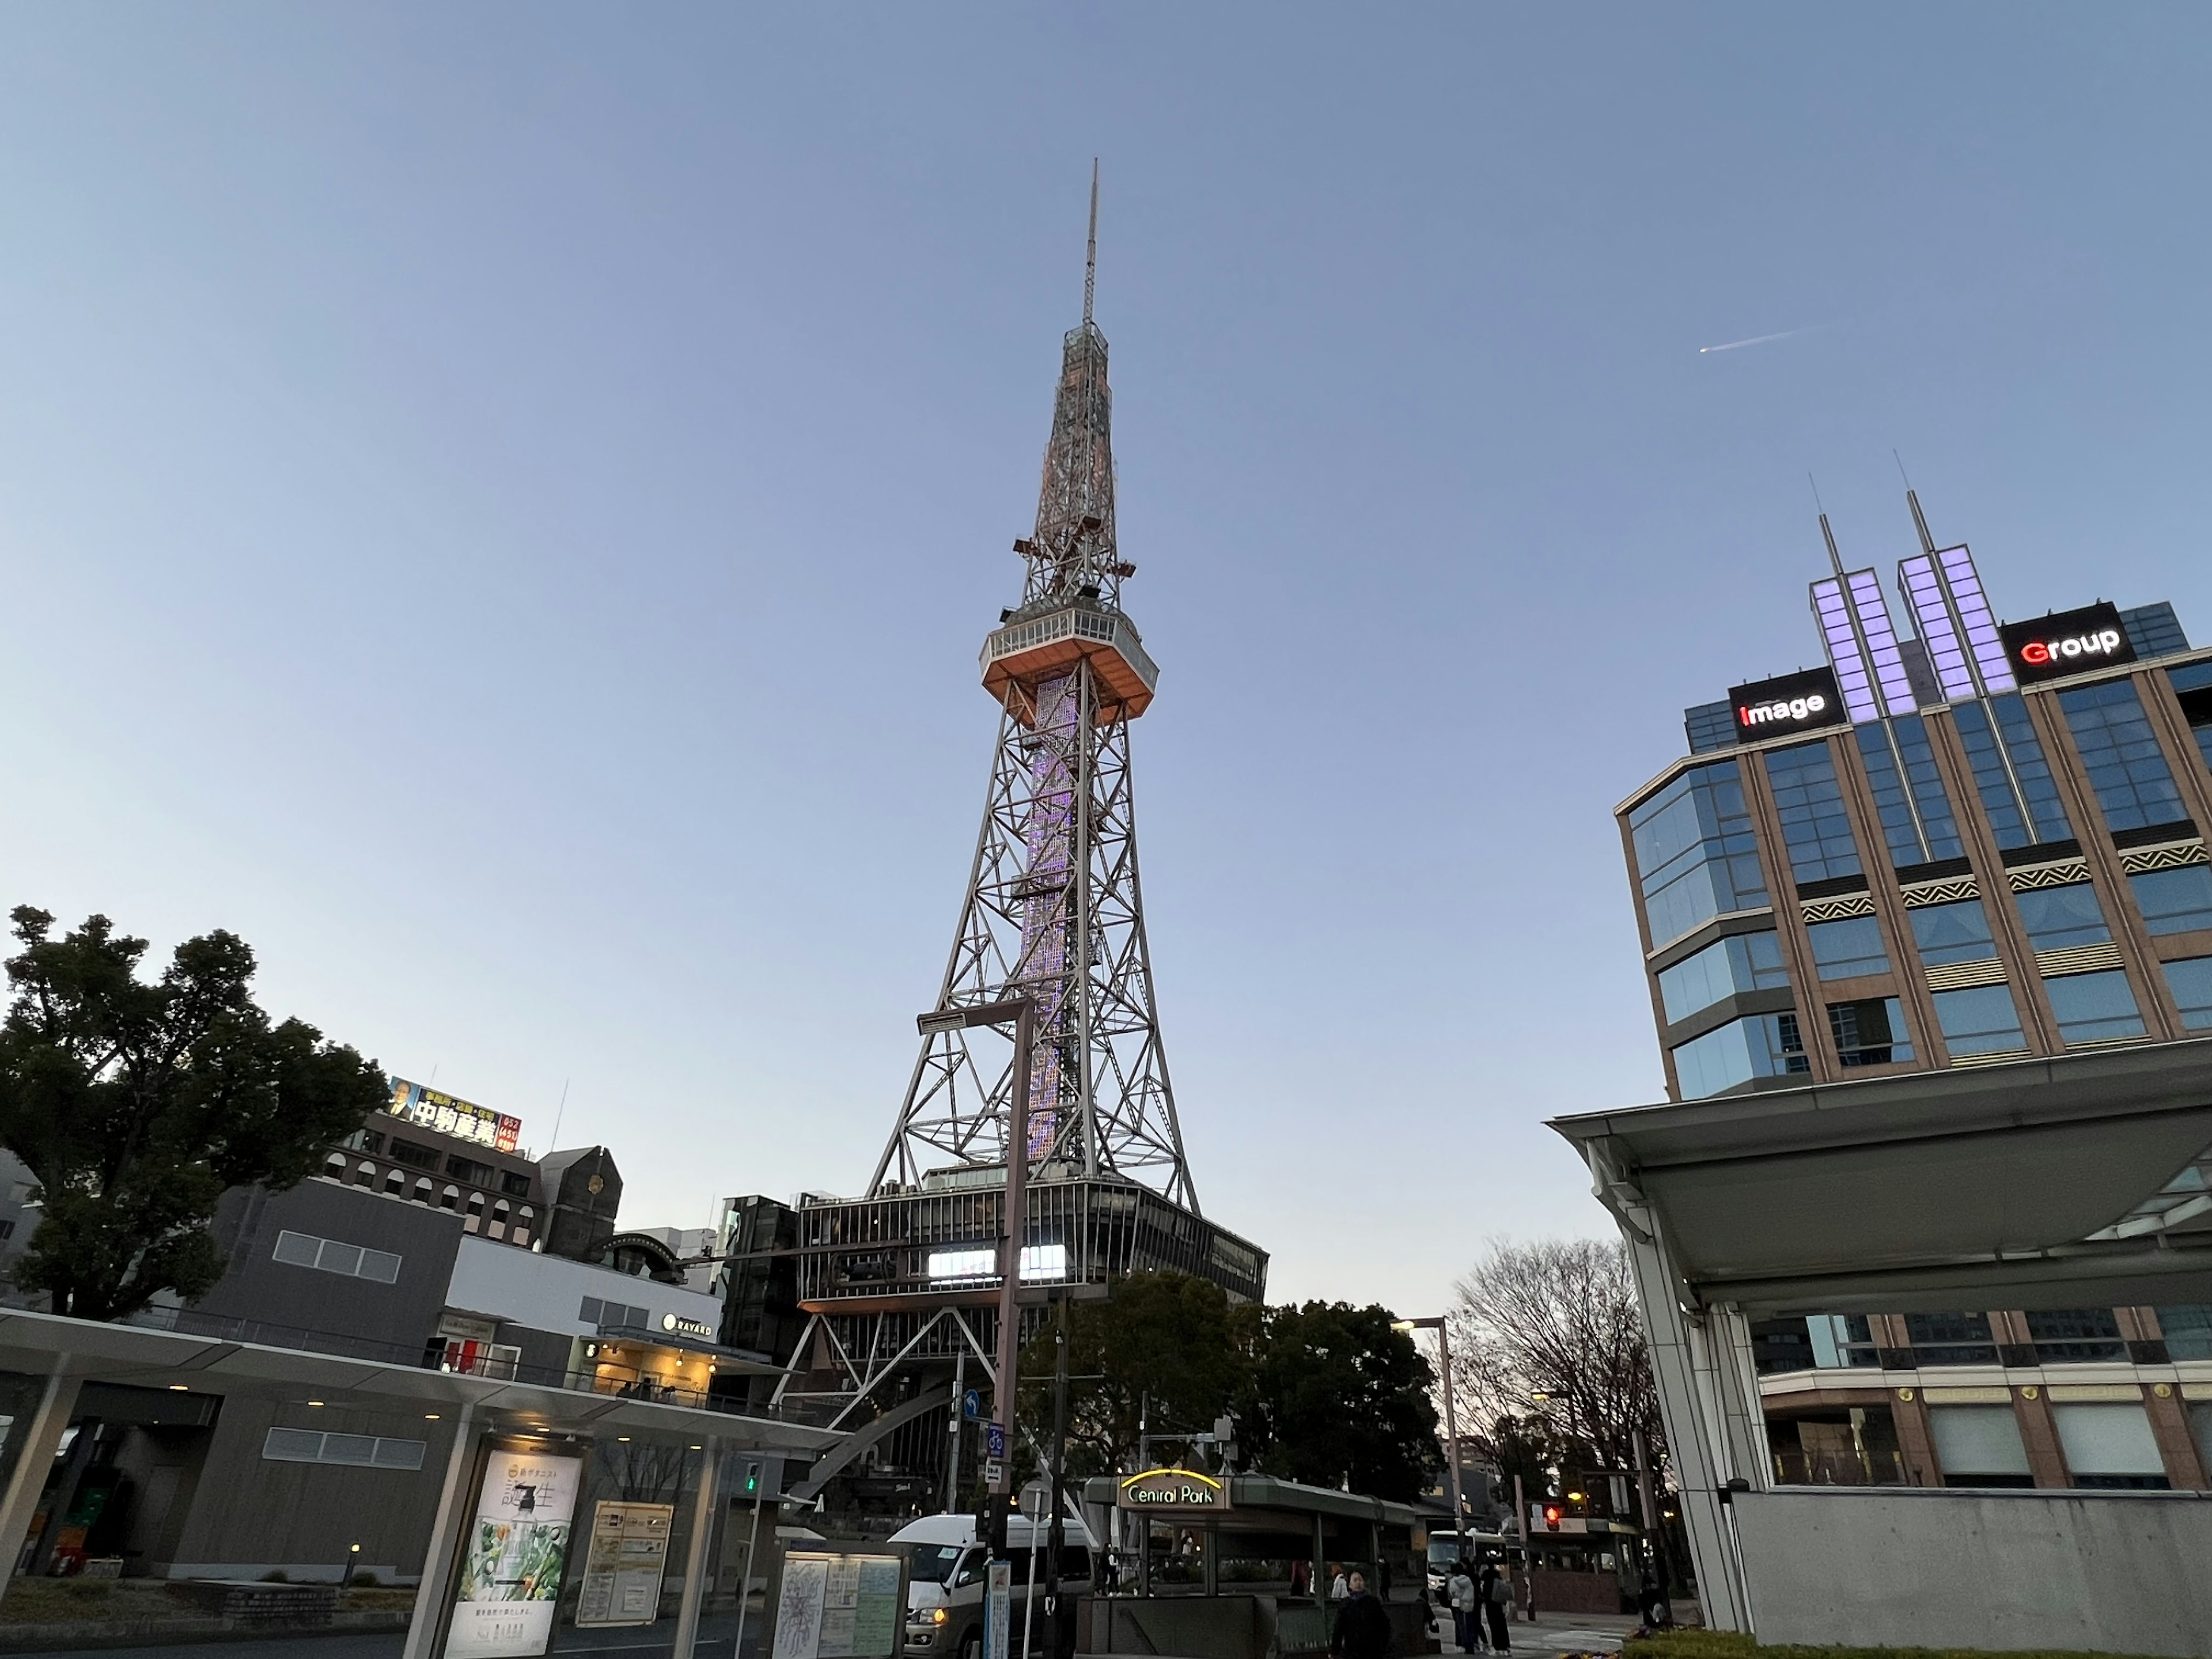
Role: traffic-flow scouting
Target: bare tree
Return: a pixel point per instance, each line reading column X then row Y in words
column 1550, row 1331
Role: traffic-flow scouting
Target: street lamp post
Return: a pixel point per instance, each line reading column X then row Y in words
column 1451, row 1418
column 1022, row 1013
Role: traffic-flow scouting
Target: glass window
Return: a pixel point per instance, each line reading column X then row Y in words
column 2191, row 981
column 2109, row 1445
column 2174, row 901
column 1951, row 1338
column 2192, row 688
column 1848, row 949
column 1979, row 1445
column 1746, row 962
column 1915, row 812
column 1842, row 1340
column 2060, row 917
column 2075, row 1333
column 1696, row 854
column 1810, row 804
column 1980, row 1021
column 2127, row 769
column 1870, row 1033
column 1952, row 933
column 1764, row 1045
column 2094, row 1007
column 2187, row 1329
column 2045, row 809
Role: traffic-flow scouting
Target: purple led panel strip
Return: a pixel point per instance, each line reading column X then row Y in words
column 1923, row 592
column 1050, row 832
column 1879, row 634
column 1843, row 654
column 1981, row 627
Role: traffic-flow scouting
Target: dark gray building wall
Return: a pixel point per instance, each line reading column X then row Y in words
column 254, row 1515
column 307, row 1306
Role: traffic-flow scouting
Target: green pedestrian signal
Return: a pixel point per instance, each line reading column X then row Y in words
column 752, row 1479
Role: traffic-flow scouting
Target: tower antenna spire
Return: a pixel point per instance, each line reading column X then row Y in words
column 1090, row 255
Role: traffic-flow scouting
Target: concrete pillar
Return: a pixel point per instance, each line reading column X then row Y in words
column 1319, row 1563
column 695, row 1558
column 1915, row 1442
column 1211, row 1542
column 1695, row 1434
column 40, row 1439
column 426, row 1623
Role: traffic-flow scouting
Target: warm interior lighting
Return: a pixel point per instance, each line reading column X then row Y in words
column 179, row 1388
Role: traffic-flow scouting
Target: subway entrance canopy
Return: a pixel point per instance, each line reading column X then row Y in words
column 2079, row 1180
column 307, row 1446
column 2052, row 1182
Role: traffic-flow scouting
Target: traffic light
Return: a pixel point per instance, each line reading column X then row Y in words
column 1551, row 1514
column 752, row 1480
column 991, row 1524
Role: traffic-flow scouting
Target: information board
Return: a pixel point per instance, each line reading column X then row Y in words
column 998, row 1610
column 624, row 1562
column 512, row 1555
column 840, row 1605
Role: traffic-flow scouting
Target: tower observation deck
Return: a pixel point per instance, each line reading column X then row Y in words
column 906, row 1275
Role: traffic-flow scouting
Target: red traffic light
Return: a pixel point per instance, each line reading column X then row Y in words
column 1551, row 1513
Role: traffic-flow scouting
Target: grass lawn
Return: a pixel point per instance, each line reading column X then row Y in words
column 1724, row 1644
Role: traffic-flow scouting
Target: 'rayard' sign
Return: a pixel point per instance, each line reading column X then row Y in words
column 1185, row 1491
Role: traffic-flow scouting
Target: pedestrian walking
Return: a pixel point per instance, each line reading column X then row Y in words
column 1499, row 1598
column 1338, row 1589
column 1363, row 1626
column 1301, row 1578
column 1467, row 1620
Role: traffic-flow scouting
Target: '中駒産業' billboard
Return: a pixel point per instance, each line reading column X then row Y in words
column 433, row 1110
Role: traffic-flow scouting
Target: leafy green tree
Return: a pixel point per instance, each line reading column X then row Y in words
column 1164, row 1343
column 1337, row 1394
column 137, row 1105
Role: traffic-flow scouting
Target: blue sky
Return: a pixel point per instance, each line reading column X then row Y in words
column 498, row 506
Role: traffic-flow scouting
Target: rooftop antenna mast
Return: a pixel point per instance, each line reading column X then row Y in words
column 1835, row 559
column 1090, row 254
column 1920, row 521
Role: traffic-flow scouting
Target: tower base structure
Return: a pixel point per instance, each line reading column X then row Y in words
column 900, row 1291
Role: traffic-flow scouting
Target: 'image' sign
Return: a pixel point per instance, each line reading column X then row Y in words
column 1787, row 703
column 2067, row 642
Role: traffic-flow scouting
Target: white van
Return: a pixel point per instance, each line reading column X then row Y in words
column 945, row 1600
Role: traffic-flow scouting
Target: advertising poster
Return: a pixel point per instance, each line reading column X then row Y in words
column 998, row 1610
column 623, row 1563
column 513, row 1553
column 840, row 1606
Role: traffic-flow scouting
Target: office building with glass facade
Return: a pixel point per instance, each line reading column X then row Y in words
column 1973, row 845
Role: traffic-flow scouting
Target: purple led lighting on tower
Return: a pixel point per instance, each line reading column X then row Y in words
column 1975, row 618
column 1946, row 651
column 1880, row 634
column 1831, row 612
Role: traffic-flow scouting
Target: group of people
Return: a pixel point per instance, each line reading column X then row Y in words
column 1480, row 1595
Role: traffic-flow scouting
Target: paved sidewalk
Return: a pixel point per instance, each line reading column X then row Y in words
column 1555, row 1633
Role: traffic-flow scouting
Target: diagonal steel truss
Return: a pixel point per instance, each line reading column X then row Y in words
column 1055, row 910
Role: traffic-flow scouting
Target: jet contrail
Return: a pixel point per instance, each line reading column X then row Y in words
column 1756, row 339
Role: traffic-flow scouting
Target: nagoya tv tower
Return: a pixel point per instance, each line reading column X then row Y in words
column 1054, row 913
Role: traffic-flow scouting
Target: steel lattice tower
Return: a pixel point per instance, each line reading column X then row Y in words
column 1054, row 909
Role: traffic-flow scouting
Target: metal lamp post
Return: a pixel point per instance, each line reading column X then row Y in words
column 1451, row 1417
column 1022, row 1013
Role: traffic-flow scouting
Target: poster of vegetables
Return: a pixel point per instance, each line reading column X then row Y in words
column 513, row 1554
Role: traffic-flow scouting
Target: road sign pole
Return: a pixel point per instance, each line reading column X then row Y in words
column 1017, row 1225
column 959, row 1411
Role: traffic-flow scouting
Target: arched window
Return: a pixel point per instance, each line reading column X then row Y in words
column 423, row 1190
column 334, row 1166
column 475, row 1222
column 364, row 1174
column 395, row 1182
column 499, row 1212
column 451, row 1198
column 522, row 1219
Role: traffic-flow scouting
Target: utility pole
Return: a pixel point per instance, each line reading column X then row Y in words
column 960, row 1413
column 1058, row 1479
column 1521, row 1514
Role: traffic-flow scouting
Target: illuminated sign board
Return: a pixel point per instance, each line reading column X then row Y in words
column 1787, row 703
column 433, row 1110
column 2067, row 642
column 683, row 1326
column 1179, row 1490
column 980, row 1263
